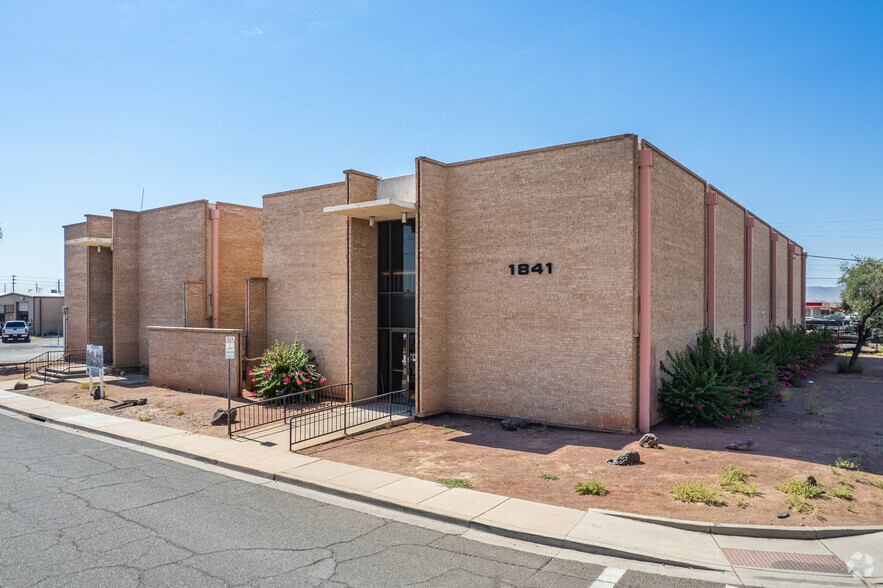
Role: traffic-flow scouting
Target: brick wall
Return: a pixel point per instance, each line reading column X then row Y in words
column 172, row 251
column 761, row 299
column 255, row 320
column 192, row 360
column 782, row 281
column 126, row 340
column 194, row 306
column 305, row 261
column 75, row 287
column 678, row 263
column 362, row 283
column 100, row 297
column 432, row 255
column 730, row 274
column 241, row 252
column 556, row 347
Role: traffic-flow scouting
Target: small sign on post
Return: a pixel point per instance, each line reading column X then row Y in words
column 95, row 368
column 229, row 354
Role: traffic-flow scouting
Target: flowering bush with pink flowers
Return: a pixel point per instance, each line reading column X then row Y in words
column 716, row 382
column 285, row 369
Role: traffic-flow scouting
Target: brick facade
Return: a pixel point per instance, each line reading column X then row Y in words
column 559, row 347
column 192, row 360
column 730, row 280
column 305, row 262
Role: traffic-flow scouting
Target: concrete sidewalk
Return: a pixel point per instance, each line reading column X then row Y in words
column 758, row 555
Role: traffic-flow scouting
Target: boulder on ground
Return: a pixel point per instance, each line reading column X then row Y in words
column 20, row 386
column 811, row 480
column 220, row 417
column 626, row 458
column 741, row 445
column 649, row 440
column 514, row 424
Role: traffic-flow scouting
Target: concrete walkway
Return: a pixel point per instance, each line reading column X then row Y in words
column 757, row 555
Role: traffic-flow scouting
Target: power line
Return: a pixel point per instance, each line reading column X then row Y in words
column 825, row 257
column 826, row 222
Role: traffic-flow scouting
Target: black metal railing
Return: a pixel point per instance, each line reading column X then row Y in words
column 264, row 412
column 333, row 419
column 56, row 360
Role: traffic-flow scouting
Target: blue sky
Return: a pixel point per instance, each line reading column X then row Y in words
column 776, row 103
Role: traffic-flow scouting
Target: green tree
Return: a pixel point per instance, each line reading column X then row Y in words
column 863, row 294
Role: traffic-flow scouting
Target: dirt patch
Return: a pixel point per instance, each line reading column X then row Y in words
column 187, row 411
column 835, row 416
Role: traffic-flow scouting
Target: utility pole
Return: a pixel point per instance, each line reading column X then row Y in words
column 13, row 282
column 59, row 286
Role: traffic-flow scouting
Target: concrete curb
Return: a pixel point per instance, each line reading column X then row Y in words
column 754, row 531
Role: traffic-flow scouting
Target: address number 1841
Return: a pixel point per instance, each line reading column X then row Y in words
column 523, row 269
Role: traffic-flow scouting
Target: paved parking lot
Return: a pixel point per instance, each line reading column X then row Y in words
column 16, row 351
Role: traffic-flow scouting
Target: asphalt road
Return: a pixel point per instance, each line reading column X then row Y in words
column 76, row 511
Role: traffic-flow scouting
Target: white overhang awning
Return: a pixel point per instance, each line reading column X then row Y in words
column 91, row 242
column 384, row 209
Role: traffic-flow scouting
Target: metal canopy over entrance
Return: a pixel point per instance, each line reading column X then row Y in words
column 385, row 209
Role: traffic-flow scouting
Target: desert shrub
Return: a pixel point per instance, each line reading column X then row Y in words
column 802, row 489
column 549, row 476
column 732, row 479
column 454, row 483
column 715, row 381
column 593, row 486
column 843, row 366
column 852, row 463
column 795, row 353
column 700, row 492
column 285, row 369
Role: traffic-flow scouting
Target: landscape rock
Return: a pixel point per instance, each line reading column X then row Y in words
column 514, row 424
column 21, row 386
column 626, row 458
column 649, row 440
column 220, row 417
column 811, row 480
column 783, row 515
column 741, row 445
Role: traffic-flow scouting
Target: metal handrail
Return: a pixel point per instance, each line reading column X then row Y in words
column 281, row 408
column 52, row 359
column 332, row 419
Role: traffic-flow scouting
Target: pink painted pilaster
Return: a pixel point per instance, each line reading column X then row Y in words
column 749, row 279
column 645, row 362
column 803, row 290
column 214, row 214
column 790, row 320
column 710, row 257
column 774, row 238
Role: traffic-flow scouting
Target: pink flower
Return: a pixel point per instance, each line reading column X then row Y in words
column 322, row 381
column 727, row 417
column 266, row 377
column 299, row 382
column 287, row 381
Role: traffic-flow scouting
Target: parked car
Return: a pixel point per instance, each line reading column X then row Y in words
column 16, row 330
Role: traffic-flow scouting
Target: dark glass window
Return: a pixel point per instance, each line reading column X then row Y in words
column 396, row 274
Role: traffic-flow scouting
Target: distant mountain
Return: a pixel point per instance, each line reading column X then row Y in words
column 823, row 293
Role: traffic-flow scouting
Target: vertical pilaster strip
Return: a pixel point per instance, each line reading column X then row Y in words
column 710, row 258
column 803, row 289
column 214, row 214
column 774, row 238
column 749, row 279
column 790, row 320
column 645, row 362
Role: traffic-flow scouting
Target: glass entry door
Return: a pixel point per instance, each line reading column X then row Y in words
column 397, row 351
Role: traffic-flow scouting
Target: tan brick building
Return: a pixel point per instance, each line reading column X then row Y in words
column 177, row 266
column 546, row 284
